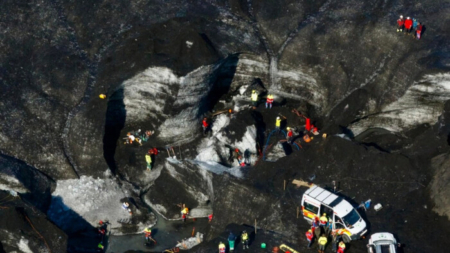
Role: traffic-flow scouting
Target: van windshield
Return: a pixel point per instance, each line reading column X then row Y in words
column 351, row 218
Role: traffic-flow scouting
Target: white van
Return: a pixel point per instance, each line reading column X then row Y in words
column 345, row 219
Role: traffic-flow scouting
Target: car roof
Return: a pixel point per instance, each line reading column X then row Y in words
column 322, row 195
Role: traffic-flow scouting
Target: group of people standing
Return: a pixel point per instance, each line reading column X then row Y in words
column 321, row 228
column 410, row 26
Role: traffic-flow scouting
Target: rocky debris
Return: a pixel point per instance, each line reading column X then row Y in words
column 440, row 190
column 422, row 103
column 78, row 204
column 36, row 234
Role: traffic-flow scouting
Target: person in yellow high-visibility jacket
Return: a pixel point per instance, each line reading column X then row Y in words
column 254, row 99
column 322, row 243
column 148, row 159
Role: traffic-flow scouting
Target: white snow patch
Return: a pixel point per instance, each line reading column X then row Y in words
column 219, row 169
column 23, row 246
column 11, row 184
column 422, row 103
column 145, row 94
column 206, row 151
column 248, row 141
column 92, row 199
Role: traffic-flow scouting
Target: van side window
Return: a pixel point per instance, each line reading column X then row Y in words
column 311, row 208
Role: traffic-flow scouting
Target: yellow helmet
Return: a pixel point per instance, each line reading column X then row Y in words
column 253, row 91
column 288, row 128
column 324, row 214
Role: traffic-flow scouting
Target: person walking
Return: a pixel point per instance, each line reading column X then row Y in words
column 244, row 239
column 408, row 25
column 254, row 99
column 269, row 101
column 309, row 237
column 322, row 243
column 400, row 24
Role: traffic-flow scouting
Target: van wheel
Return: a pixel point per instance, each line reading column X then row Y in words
column 346, row 238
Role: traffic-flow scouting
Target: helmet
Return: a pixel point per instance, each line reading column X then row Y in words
column 408, row 18
column 236, row 150
column 288, row 128
column 324, row 214
column 401, row 16
column 253, row 91
column 310, row 231
column 278, row 117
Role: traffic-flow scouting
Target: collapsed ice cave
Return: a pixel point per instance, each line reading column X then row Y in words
column 380, row 96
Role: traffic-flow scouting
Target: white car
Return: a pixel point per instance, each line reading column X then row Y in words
column 382, row 243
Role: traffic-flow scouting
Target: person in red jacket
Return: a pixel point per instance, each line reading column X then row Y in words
column 419, row 31
column 408, row 25
column 341, row 247
column 400, row 23
column 205, row 125
column 290, row 135
column 309, row 237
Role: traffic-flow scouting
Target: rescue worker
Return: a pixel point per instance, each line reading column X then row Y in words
column 254, row 99
column 244, row 239
column 222, row 247
column 205, row 125
column 237, row 155
column 290, row 135
column 408, row 25
column 184, row 213
column 323, row 221
column 100, row 247
column 315, row 226
column 148, row 234
column 153, row 151
column 231, row 239
column 400, row 24
column 322, row 243
column 130, row 138
column 309, row 237
column 148, row 159
column 210, row 218
column 419, row 31
column 415, row 23
column 101, row 229
column 269, row 101
column 341, row 247
column 278, row 124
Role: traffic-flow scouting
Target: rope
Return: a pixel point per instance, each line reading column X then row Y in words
column 267, row 146
column 39, row 234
